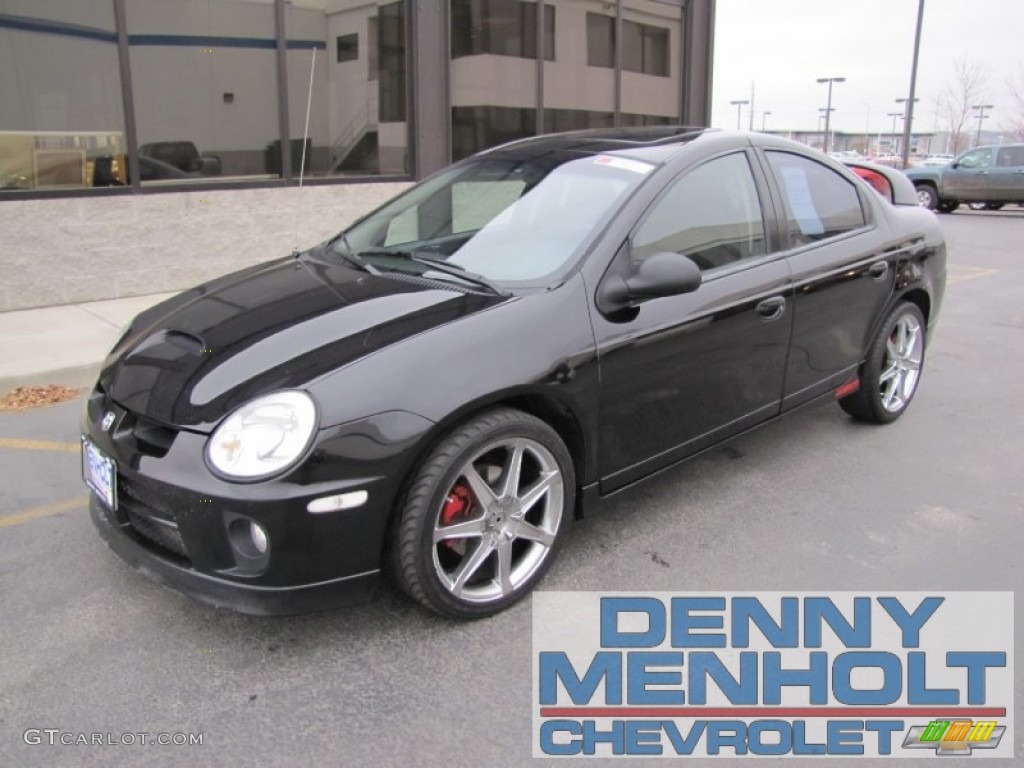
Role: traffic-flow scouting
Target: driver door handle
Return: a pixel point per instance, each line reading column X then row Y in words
column 878, row 270
column 772, row 309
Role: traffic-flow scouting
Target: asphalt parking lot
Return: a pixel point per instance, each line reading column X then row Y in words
column 814, row 502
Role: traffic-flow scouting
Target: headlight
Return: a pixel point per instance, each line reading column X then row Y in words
column 263, row 437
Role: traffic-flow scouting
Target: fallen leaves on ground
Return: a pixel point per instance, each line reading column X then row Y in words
column 34, row 397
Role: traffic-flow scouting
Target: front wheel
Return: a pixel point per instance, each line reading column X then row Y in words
column 484, row 515
column 892, row 369
column 927, row 197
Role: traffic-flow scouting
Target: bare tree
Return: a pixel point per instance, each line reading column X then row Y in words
column 1015, row 117
column 967, row 88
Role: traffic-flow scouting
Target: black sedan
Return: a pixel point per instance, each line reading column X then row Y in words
column 439, row 390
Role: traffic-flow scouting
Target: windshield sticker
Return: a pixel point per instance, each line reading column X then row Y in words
column 625, row 164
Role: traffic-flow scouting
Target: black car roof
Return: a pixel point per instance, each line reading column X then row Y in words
column 652, row 143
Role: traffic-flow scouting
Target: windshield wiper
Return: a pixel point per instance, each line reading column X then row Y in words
column 349, row 255
column 441, row 265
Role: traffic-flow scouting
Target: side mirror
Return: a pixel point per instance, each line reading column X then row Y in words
column 660, row 274
column 954, row 165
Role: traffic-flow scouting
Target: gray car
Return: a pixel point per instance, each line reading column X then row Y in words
column 989, row 176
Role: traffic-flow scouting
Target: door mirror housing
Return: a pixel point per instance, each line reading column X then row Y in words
column 660, row 274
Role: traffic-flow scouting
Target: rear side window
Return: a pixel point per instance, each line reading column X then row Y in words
column 819, row 202
column 1010, row 157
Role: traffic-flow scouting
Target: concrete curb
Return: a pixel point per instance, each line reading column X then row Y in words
column 63, row 344
column 77, row 377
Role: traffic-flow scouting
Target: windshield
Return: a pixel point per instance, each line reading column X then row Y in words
column 509, row 220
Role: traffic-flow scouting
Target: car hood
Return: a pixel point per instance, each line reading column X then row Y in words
column 191, row 360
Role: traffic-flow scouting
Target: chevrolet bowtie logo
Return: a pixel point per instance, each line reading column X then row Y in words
column 954, row 737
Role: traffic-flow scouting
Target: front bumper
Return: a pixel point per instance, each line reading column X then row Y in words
column 178, row 523
column 222, row 593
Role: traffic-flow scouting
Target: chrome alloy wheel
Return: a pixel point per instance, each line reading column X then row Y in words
column 902, row 367
column 497, row 523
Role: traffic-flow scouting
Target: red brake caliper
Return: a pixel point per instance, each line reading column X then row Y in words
column 458, row 505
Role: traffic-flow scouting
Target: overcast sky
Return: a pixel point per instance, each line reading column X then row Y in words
column 783, row 46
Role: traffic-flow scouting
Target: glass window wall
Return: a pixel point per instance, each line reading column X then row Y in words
column 62, row 121
column 357, row 118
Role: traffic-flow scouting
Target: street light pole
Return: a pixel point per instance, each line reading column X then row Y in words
column 909, row 119
column 739, row 105
column 828, row 108
column 764, row 119
column 823, row 114
column 981, row 116
column 908, row 107
column 895, row 116
column 867, row 129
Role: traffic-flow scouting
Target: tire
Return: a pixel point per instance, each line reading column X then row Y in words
column 892, row 370
column 466, row 543
column 976, row 206
column 993, row 206
column 948, row 206
column 927, row 197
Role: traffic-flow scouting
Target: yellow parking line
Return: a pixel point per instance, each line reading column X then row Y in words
column 44, row 511
column 39, row 445
column 972, row 273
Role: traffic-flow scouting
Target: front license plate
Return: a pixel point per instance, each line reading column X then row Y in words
column 100, row 473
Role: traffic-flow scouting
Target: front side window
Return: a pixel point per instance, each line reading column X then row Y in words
column 712, row 215
column 978, row 158
column 514, row 221
column 819, row 203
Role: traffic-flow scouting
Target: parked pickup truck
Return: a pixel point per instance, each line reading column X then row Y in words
column 988, row 177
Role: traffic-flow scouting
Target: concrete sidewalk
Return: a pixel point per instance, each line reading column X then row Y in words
column 65, row 344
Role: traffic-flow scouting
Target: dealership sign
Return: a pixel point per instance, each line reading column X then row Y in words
column 840, row 674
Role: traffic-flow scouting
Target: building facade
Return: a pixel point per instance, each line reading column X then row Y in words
column 149, row 144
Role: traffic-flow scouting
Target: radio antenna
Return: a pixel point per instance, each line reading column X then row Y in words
column 305, row 141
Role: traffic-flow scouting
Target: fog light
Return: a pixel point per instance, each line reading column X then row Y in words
column 259, row 538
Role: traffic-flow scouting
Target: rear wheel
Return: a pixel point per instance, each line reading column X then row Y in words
column 993, row 206
column 948, row 206
column 892, row 370
column 484, row 515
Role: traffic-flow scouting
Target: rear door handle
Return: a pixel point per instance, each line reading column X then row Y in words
column 878, row 270
column 773, row 308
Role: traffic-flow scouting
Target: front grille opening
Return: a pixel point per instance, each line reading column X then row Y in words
column 164, row 535
column 156, row 524
column 152, row 438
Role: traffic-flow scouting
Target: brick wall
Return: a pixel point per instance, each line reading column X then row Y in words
column 79, row 249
